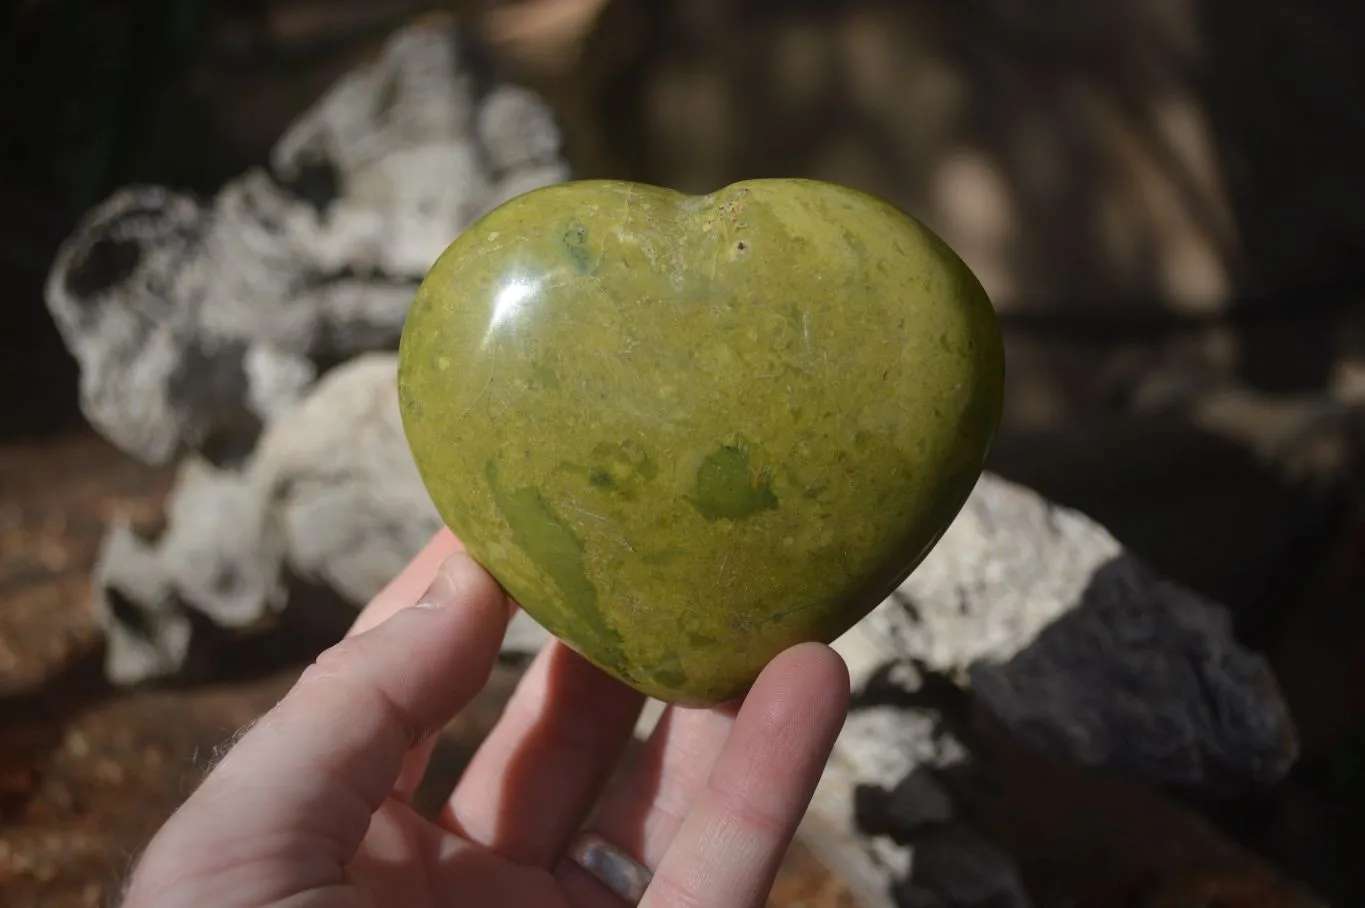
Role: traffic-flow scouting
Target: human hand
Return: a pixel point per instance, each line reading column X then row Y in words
column 310, row 809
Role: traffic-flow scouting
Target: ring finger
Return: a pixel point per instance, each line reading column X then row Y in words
column 643, row 813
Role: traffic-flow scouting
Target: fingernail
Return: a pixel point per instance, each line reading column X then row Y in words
column 443, row 588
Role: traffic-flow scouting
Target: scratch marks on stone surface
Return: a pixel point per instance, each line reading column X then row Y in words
column 488, row 250
column 492, row 366
column 592, row 277
column 586, row 513
column 625, row 215
column 601, row 518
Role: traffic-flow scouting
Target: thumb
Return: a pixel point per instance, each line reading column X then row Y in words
column 304, row 782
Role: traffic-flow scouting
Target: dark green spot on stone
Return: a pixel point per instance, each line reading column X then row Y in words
column 543, row 378
column 855, row 244
column 549, row 542
column 575, row 242
column 669, row 674
column 664, row 558
column 701, row 640
column 728, row 487
column 621, row 469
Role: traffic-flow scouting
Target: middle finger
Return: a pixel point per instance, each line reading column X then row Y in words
column 537, row 774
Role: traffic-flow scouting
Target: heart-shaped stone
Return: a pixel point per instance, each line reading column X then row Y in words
column 688, row 432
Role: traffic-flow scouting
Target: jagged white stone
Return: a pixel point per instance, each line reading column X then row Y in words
column 195, row 321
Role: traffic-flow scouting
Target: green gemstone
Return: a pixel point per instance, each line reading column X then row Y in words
column 688, row 432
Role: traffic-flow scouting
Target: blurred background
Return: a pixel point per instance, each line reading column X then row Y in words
column 1164, row 198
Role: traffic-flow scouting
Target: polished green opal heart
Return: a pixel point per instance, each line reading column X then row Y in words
column 688, row 432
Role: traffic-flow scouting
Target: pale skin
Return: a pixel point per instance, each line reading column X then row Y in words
column 310, row 808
